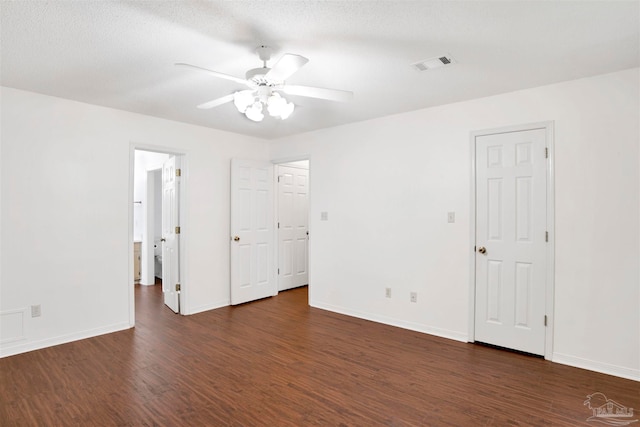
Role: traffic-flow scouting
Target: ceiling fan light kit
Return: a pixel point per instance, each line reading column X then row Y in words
column 264, row 84
column 251, row 103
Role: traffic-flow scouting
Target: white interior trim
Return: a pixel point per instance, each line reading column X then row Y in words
column 551, row 247
column 550, row 280
column 288, row 159
column 131, row 281
column 596, row 366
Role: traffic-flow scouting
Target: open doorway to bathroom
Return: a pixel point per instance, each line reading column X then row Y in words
column 147, row 216
column 157, row 239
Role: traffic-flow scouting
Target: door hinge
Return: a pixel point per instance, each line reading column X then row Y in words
column 546, row 236
column 545, row 320
column 178, row 172
column 474, row 248
column 278, row 178
column 278, row 271
column 177, row 287
column 278, row 225
column 546, row 152
column 178, row 230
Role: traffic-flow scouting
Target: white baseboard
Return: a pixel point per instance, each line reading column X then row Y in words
column 592, row 365
column 418, row 327
column 23, row 347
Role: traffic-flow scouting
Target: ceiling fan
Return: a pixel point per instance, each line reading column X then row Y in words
column 265, row 85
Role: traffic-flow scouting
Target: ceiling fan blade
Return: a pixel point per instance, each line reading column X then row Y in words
column 215, row 73
column 216, row 102
column 285, row 67
column 318, row 92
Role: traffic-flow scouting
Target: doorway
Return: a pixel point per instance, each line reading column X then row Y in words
column 257, row 259
column 512, row 237
column 157, row 187
column 292, row 217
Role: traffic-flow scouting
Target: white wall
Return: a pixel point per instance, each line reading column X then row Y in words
column 66, row 215
column 387, row 185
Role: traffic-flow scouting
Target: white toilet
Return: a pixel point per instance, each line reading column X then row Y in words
column 157, row 258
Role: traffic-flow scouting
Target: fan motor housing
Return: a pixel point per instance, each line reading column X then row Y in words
column 257, row 75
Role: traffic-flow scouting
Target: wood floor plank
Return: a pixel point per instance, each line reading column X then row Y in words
column 279, row 362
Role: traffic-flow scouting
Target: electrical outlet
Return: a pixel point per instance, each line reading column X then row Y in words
column 387, row 292
column 414, row 297
column 36, row 311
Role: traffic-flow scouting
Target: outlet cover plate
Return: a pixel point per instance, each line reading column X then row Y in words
column 36, row 311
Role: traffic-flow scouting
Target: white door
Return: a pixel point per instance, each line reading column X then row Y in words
column 170, row 234
column 252, row 236
column 293, row 227
column 511, row 240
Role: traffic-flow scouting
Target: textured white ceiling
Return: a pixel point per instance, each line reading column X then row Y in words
column 120, row 54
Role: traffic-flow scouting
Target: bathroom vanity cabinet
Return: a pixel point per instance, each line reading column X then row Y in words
column 137, row 256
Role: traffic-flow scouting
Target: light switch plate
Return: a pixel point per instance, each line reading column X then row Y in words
column 324, row 216
column 451, row 217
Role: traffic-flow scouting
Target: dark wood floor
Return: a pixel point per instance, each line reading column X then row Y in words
column 277, row 362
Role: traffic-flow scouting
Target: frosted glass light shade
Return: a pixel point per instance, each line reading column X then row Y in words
column 287, row 110
column 274, row 104
column 254, row 112
column 279, row 107
column 243, row 99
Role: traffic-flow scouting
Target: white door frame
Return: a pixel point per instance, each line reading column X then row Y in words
column 280, row 161
column 184, row 188
column 550, row 277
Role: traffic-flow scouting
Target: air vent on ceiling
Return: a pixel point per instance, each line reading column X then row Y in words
column 431, row 63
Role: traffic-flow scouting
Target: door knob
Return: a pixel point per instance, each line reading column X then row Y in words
column 236, row 238
column 482, row 250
